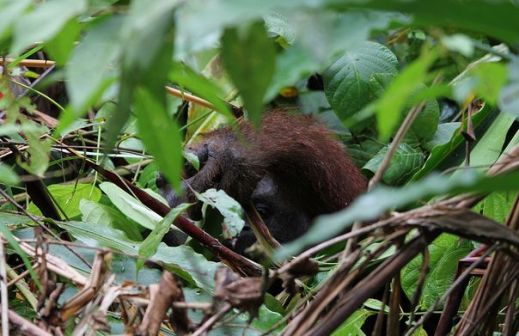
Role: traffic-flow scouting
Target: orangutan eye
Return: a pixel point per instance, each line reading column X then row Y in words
column 263, row 210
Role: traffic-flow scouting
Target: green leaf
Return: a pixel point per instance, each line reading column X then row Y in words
column 44, row 22
column 426, row 123
column 444, row 254
column 38, row 160
column 150, row 244
column 390, row 105
column 60, row 47
column 267, row 319
column 4, row 230
column 100, row 235
column 230, row 209
column 353, row 325
column 100, row 214
column 196, row 267
column 199, row 85
column 68, row 197
column 509, row 96
column 405, row 162
column 149, row 26
column 182, row 260
column 8, row 175
column 440, row 152
column 347, row 80
column 10, row 12
column 484, row 79
column 444, row 133
column 192, row 159
column 130, row 206
column 497, row 205
column 489, row 147
column 249, row 57
column 99, row 49
column 160, row 135
column 502, row 24
column 384, row 198
column 320, row 36
column 13, row 220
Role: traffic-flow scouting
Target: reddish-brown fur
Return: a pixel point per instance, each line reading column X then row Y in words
column 300, row 154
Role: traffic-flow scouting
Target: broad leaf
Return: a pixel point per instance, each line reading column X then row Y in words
column 444, row 254
column 390, row 105
column 98, row 50
column 44, row 21
column 69, row 196
column 130, row 206
column 347, row 80
column 160, row 134
column 249, row 58
column 99, row 214
column 8, row 175
column 509, row 96
column 353, row 325
column 405, row 162
column 150, row 244
column 230, row 209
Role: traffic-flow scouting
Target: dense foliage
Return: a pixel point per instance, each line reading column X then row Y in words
column 425, row 95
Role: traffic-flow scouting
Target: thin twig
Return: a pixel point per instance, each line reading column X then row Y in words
column 212, row 320
column 402, row 131
column 30, row 63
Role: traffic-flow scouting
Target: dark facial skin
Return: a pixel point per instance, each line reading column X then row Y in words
column 284, row 219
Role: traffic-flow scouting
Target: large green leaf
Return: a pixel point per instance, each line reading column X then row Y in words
column 490, row 146
column 502, row 24
column 383, row 198
column 160, row 134
column 130, row 206
column 347, row 80
column 150, row 244
column 391, row 104
column 44, row 21
column 444, row 254
column 69, row 196
column 99, row 50
column 249, row 57
column 182, row 260
column 353, row 325
column 230, row 209
column 60, row 47
column 8, row 175
column 405, row 162
column 509, row 96
column 149, row 26
column 10, row 12
column 99, row 214
column 425, row 125
column 188, row 79
column 320, row 38
column 497, row 205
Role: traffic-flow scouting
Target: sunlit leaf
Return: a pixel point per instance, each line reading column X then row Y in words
column 230, row 209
